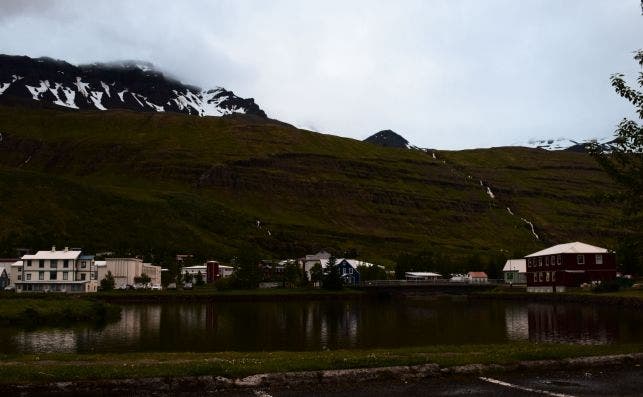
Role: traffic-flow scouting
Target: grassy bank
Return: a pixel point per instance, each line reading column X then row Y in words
column 627, row 297
column 33, row 311
column 74, row 367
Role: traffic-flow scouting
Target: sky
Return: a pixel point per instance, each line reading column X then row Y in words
column 446, row 74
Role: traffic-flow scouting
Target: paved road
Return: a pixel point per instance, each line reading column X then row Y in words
column 593, row 382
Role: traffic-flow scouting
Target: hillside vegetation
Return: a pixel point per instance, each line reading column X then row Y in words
column 160, row 183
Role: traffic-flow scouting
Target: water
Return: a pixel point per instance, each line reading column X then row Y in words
column 248, row 326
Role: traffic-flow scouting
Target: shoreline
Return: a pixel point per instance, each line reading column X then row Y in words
column 310, row 380
column 612, row 299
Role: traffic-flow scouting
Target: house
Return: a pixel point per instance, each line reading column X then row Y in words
column 348, row 269
column 309, row 261
column 515, row 271
column 421, row 276
column 569, row 265
column 7, row 264
column 124, row 270
column 4, row 278
column 57, row 270
column 194, row 271
column 477, row 277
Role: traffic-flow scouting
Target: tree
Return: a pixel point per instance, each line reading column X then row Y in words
column 332, row 279
column 107, row 283
column 199, row 279
column 247, row 273
column 142, row 279
column 187, row 277
column 292, row 276
column 316, row 274
column 368, row 273
column 624, row 163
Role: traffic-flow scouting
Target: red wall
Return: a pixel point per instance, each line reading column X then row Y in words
column 559, row 276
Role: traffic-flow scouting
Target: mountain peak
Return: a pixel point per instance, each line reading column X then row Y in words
column 133, row 85
column 388, row 138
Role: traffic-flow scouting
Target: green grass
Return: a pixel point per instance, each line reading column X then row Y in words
column 158, row 184
column 47, row 310
column 73, row 367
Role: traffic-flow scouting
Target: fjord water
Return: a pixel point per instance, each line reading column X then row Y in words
column 316, row 325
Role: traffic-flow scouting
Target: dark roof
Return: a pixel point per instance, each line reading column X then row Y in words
column 86, row 257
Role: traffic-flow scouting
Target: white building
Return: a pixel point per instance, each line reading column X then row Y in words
column 62, row 271
column 422, row 276
column 194, row 271
column 515, row 271
column 124, row 270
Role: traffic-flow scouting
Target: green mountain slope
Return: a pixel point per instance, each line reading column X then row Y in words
column 150, row 183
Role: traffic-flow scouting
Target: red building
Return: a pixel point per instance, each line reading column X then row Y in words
column 568, row 265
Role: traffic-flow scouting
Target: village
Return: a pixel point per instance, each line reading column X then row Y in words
column 555, row 269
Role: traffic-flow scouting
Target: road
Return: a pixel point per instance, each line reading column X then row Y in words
column 587, row 382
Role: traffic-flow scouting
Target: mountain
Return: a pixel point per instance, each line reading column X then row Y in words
column 136, row 86
column 164, row 183
column 388, row 138
column 574, row 145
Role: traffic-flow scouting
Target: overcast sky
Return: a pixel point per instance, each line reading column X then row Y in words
column 443, row 73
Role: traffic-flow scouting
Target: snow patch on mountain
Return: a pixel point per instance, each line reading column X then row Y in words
column 562, row 143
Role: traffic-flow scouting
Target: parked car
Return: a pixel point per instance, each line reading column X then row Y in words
column 187, row 285
column 10, row 288
column 156, row 287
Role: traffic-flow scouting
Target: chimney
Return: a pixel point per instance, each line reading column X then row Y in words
column 53, row 248
column 66, row 249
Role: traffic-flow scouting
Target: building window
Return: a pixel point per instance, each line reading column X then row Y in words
column 540, row 277
column 29, row 263
column 540, row 261
column 28, row 276
column 553, row 260
column 53, row 275
column 41, row 263
column 41, row 275
column 535, row 277
column 547, row 276
column 558, row 261
column 529, row 262
column 580, row 259
column 82, row 276
column 546, row 261
column 350, row 270
column 65, row 275
column 599, row 259
column 83, row 264
column 553, row 277
column 19, row 277
column 66, row 263
column 53, row 263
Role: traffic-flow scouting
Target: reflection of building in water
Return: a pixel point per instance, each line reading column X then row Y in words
column 517, row 322
column 46, row 341
column 569, row 323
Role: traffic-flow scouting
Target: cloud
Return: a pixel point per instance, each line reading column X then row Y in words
column 442, row 73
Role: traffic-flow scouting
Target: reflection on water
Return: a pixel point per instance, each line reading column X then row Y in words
column 248, row 326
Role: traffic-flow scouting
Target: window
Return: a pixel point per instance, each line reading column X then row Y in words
column 535, row 277
column 580, row 259
column 553, row 277
column 350, row 270
column 66, row 263
column 540, row 261
column 41, row 263
column 547, row 276
column 41, row 275
column 558, row 260
column 28, row 276
column 553, row 260
column 19, row 277
column 540, row 277
column 82, row 276
column 53, row 263
column 546, row 261
column 53, row 275
column 83, row 264
column 29, row 263
column 65, row 275
column 529, row 262
column 599, row 259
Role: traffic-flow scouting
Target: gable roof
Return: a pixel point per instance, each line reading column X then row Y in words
column 570, row 248
column 477, row 275
column 53, row 255
column 515, row 264
column 353, row 262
